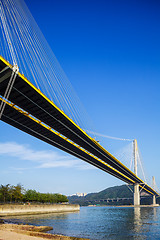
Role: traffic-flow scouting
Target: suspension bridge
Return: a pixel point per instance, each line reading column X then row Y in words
column 24, row 106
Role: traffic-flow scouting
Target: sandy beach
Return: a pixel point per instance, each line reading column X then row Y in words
column 29, row 232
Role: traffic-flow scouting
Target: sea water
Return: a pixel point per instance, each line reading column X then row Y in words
column 97, row 223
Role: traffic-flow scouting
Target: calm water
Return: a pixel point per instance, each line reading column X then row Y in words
column 99, row 223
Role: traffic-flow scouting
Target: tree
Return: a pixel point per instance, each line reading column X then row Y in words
column 4, row 190
column 11, row 193
column 17, row 193
column 31, row 195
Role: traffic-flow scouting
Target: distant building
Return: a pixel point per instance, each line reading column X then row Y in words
column 81, row 194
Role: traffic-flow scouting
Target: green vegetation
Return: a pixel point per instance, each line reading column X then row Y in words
column 17, row 194
column 118, row 195
column 100, row 198
column 112, row 192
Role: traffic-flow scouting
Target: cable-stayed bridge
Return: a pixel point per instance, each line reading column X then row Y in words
column 24, row 106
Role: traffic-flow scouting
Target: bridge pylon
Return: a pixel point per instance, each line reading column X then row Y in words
column 136, row 200
column 154, row 186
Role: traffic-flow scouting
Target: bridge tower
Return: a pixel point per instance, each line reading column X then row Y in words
column 154, row 186
column 136, row 200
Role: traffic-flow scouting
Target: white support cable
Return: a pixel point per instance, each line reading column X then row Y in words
column 8, row 90
column 6, row 30
column 36, row 60
column 131, row 163
column 142, row 188
column 129, row 188
column 125, row 155
column 106, row 136
column 140, row 162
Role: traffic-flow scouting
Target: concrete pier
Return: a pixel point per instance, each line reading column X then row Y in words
column 13, row 210
column 136, row 201
column 154, row 202
column 154, row 186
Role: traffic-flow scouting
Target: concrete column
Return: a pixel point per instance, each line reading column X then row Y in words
column 154, row 186
column 153, row 182
column 136, row 185
column 154, row 200
column 136, row 195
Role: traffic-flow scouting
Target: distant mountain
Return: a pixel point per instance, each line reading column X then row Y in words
column 110, row 196
column 99, row 198
column 112, row 192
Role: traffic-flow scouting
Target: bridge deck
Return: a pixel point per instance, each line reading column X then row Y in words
column 27, row 97
column 21, row 120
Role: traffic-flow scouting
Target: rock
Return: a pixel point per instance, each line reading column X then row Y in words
column 42, row 229
column 1, row 221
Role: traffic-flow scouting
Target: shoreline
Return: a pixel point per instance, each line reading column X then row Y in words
column 10, row 231
column 17, row 210
column 30, row 232
column 127, row 206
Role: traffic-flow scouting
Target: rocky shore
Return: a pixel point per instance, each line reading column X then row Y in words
column 29, row 232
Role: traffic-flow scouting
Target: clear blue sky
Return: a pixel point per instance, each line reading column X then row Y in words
column 110, row 51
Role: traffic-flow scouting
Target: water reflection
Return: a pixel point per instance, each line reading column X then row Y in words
column 40, row 219
column 155, row 213
column 146, row 222
column 137, row 219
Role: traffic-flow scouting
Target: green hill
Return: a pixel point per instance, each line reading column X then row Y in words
column 112, row 192
column 110, row 196
column 102, row 196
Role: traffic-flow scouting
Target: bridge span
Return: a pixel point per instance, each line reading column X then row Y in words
column 25, row 107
